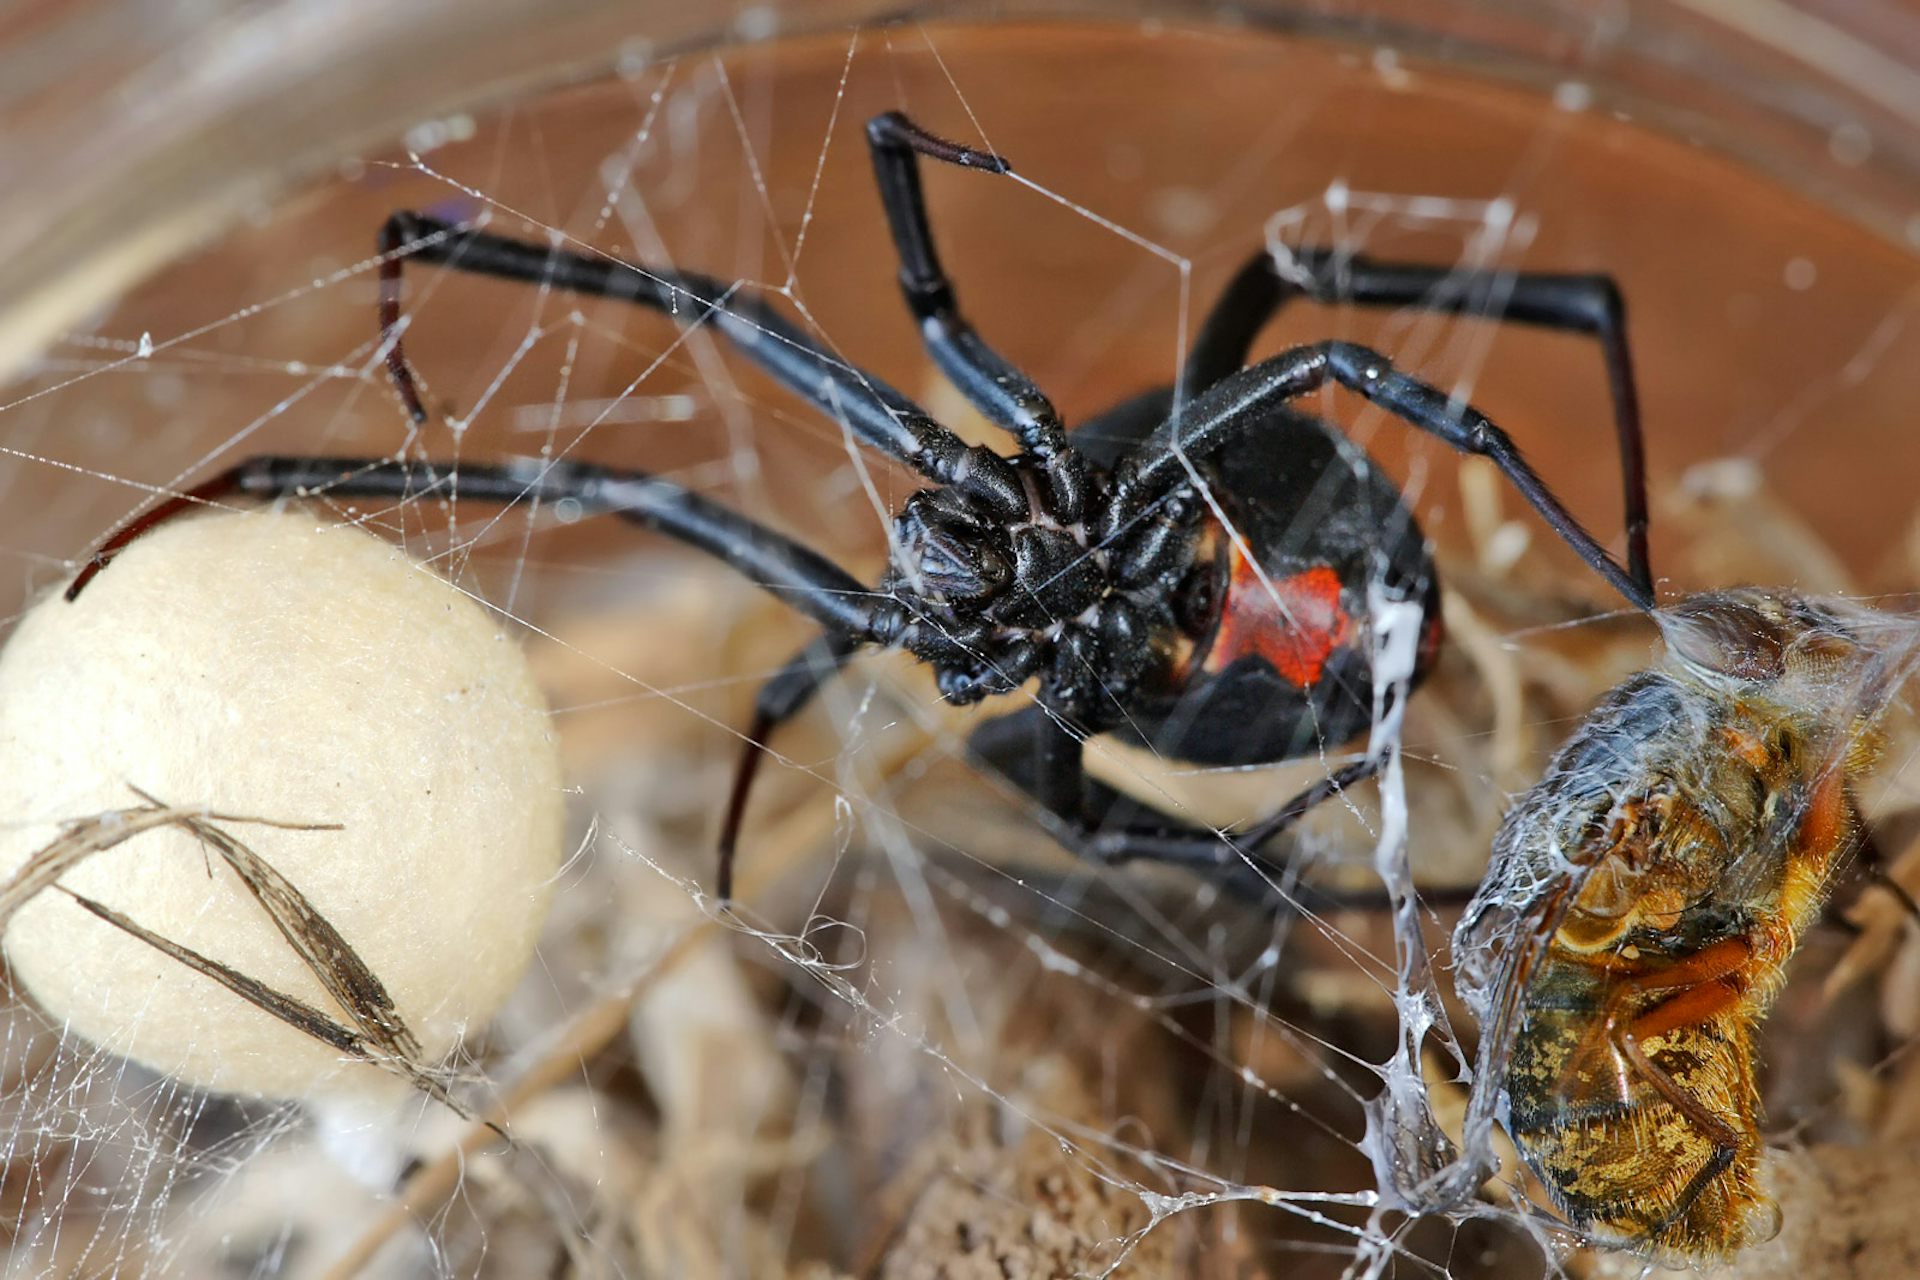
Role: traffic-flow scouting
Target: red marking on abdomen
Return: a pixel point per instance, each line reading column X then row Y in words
column 1295, row 623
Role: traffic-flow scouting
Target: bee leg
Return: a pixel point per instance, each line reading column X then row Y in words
column 1699, row 979
column 1725, row 1140
column 1705, row 991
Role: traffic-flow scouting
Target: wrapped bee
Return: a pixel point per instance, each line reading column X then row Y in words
column 1643, row 901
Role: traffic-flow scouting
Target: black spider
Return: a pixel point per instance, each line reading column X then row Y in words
column 1097, row 563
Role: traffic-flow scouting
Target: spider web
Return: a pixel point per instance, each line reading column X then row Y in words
column 930, row 1040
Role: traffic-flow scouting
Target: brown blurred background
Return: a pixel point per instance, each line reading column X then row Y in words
column 1770, row 330
column 1765, row 327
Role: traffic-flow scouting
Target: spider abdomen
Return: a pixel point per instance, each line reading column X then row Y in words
column 1278, row 607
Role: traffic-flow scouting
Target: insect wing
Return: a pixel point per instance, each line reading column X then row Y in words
column 1547, row 850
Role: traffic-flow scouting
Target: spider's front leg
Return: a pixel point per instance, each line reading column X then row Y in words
column 965, row 673
column 1002, row 393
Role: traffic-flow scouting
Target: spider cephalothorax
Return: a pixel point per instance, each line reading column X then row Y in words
column 1196, row 569
column 991, row 601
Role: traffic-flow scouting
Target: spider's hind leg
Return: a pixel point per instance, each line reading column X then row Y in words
column 1585, row 304
column 1044, row 758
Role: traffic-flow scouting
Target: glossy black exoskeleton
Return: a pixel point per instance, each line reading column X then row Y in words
column 1196, row 572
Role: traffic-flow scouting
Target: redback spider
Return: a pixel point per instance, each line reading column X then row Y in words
column 1098, row 562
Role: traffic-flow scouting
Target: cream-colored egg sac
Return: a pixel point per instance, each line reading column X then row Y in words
column 285, row 667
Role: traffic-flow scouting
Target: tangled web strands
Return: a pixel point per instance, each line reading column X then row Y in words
column 933, row 985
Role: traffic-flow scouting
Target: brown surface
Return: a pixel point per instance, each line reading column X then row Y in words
column 1191, row 140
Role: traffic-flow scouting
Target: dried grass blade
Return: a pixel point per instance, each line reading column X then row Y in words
column 379, row 1035
column 84, row 837
column 78, row 842
column 326, row 954
column 295, row 1013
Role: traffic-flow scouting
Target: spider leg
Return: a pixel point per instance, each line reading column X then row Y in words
column 784, row 695
column 803, row 579
column 1586, row 304
column 1242, row 402
column 1044, row 759
column 877, row 414
column 1006, row 396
